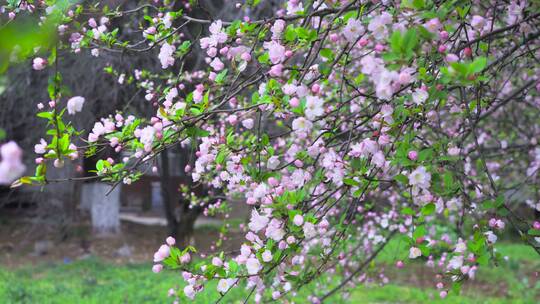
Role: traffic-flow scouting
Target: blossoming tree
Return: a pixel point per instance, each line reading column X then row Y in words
column 341, row 124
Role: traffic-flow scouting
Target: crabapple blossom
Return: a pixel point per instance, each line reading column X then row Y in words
column 414, row 252
column 11, row 165
column 39, row 64
column 75, row 104
column 339, row 126
column 166, row 55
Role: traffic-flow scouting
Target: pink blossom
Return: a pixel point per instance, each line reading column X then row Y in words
column 11, row 166
column 39, row 64
column 257, row 222
column 189, row 291
column 267, row 256
column 314, row 107
column 451, row 57
column 277, row 28
column 420, row 178
column 377, row 25
column 253, row 266
column 248, row 123
column 433, row 25
column 309, row 230
column 185, row 258
column 217, row 262
column 273, row 162
column 298, row 220
column 478, row 22
column 41, row 148
column 275, row 230
column 170, row 241
column 75, row 105
column 414, row 252
column 276, row 51
column 353, row 30
column 276, row 70
column 419, row 96
column 217, row 65
column 301, row 124
column 166, row 55
column 157, row 268
column 216, row 37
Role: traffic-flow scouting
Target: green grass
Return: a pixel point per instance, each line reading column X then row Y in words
column 94, row 281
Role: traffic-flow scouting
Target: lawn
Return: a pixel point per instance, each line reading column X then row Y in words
column 95, row 281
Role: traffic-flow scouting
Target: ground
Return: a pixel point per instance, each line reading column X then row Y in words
column 86, row 269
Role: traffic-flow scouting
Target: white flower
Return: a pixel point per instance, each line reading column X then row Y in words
column 166, row 55
column 11, row 166
column 298, row 220
column 260, row 191
column 98, row 129
column 456, row 262
column 273, row 162
column 478, row 22
column 414, row 252
column 41, row 148
column 217, row 65
column 378, row 159
column 257, row 222
column 217, row 36
column 248, row 123
column 353, row 30
column 253, row 266
column 314, row 107
column 377, row 25
column 301, row 124
column 491, row 237
column 276, row 51
column 147, row 135
column 420, row 178
column 309, row 230
column 267, row 256
column 189, row 291
column 419, row 96
column 75, row 104
column 39, row 63
column 167, row 20
column 223, row 285
column 274, row 230
column 460, row 246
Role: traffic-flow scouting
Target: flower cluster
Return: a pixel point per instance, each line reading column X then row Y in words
column 341, row 125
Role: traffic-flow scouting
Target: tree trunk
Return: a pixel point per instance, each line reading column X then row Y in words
column 168, row 205
column 180, row 227
column 186, row 226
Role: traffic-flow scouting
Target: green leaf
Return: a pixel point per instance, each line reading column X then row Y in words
column 290, row 33
column 448, row 180
column 534, row 232
column 401, row 178
column 410, row 40
column 46, row 115
column 428, row 209
column 419, row 232
column 327, row 53
column 264, row 58
column 395, row 41
column 477, row 65
column 350, row 182
column 221, row 76
column 425, row 154
column 408, row 211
